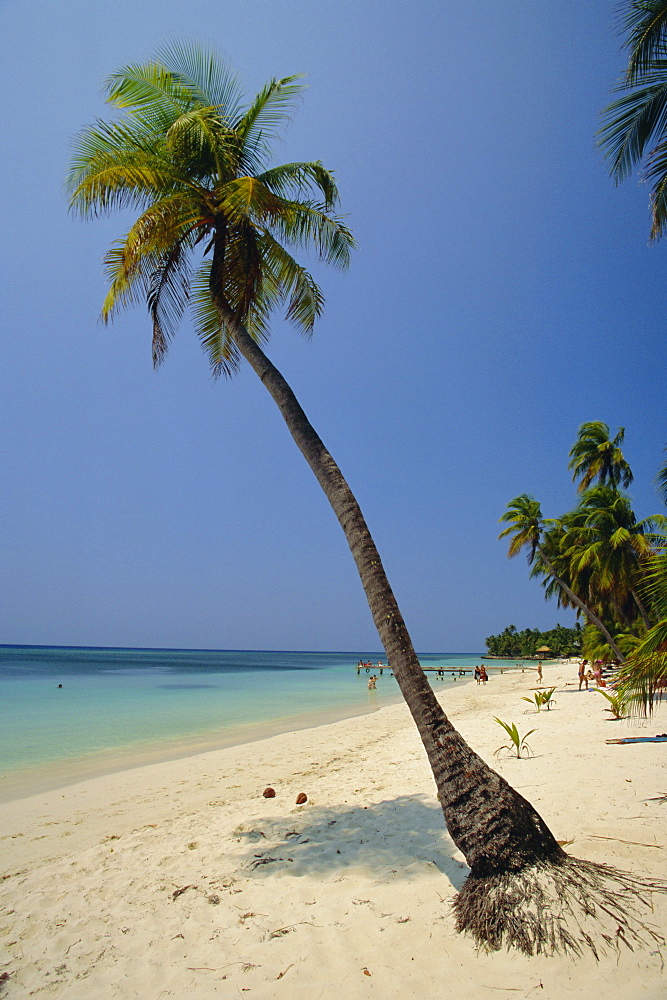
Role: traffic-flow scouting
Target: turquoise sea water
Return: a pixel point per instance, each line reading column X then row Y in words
column 118, row 707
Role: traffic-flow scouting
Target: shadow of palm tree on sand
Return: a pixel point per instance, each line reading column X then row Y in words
column 400, row 836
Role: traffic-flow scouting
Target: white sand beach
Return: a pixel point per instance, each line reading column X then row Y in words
column 181, row 880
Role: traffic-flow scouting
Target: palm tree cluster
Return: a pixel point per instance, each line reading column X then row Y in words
column 601, row 559
column 512, row 643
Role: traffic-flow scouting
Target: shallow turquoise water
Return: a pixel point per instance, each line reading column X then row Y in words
column 138, row 701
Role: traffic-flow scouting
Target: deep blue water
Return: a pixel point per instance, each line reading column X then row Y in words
column 146, row 699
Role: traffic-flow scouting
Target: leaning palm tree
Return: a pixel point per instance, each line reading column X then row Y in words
column 526, row 528
column 217, row 226
column 634, row 127
column 594, row 455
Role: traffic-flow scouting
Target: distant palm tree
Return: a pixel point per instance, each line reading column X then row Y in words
column 604, row 538
column 634, row 127
column 194, row 161
column 526, row 527
column 594, row 455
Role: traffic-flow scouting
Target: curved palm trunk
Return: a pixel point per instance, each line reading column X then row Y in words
column 642, row 610
column 495, row 828
column 593, row 618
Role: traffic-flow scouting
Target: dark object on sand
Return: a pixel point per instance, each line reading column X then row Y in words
column 269, row 793
column 301, row 798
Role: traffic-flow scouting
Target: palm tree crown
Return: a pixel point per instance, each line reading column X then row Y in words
column 595, row 456
column 525, row 526
column 195, row 161
column 606, row 544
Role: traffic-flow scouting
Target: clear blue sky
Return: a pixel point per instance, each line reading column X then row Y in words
column 503, row 293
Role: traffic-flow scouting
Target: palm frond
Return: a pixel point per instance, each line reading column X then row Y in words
column 239, row 277
column 642, row 679
column 300, row 223
column 654, row 583
column 655, row 639
column 203, row 144
column 656, row 172
column 214, row 338
column 208, row 79
column 164, row 223
column 149, row 88
column 248, row 199
column 128, row 284
column 132, row 262
column 307, row 224
column 629, row 123
column 167, row 297
column 296, row 180
column 661, row 480
column 645, row 22
column 286, row 280
column 257, row 126
column 116, row 167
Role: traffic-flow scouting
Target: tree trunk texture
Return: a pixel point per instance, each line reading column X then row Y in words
column 494, row 827
column 642, row 609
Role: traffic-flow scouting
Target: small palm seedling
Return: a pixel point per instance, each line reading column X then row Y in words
column 617, row 703
column 542, row 699
column 548, row 698
column 536, row 700
column 518, row 743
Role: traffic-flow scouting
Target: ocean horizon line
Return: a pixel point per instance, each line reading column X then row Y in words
column 221, row 649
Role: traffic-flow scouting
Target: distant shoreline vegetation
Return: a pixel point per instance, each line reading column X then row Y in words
column 510, row 643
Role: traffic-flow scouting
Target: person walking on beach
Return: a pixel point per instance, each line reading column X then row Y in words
column 478, row 675
column 483, row 676
column 539, row 672
column 582, row 674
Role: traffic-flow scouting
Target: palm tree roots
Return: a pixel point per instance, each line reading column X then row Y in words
column 562, row 905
